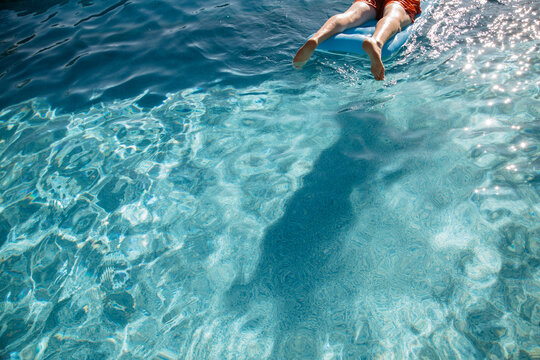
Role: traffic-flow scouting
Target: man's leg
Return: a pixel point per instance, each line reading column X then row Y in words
column 394, row 19
column 356, row 15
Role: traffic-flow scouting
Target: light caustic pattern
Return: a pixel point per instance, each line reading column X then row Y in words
column 140, row 219
column 331, row 221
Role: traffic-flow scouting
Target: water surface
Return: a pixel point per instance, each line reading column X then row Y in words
column 170, row 188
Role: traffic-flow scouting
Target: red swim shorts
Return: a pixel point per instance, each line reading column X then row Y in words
column 412, row 7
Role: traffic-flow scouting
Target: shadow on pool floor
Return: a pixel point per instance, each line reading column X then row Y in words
column 297, row 249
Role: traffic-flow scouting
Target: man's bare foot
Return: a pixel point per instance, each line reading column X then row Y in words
column 305, row 52
column 373, row 49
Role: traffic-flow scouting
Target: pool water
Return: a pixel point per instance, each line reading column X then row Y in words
column 171, row 188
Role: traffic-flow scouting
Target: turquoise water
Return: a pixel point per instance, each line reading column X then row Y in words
column 180, row 192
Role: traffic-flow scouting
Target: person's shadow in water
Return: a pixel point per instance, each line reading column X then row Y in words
column 297, row 249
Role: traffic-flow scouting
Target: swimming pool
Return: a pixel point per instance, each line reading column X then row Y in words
column 170, row 188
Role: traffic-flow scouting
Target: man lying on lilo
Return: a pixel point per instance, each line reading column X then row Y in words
column 393, row 14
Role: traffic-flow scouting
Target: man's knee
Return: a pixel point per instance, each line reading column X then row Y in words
column 396, row 13
column 340, row 19
column 397, row 20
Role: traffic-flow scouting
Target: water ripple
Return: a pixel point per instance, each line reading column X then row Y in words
column 239, row 216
